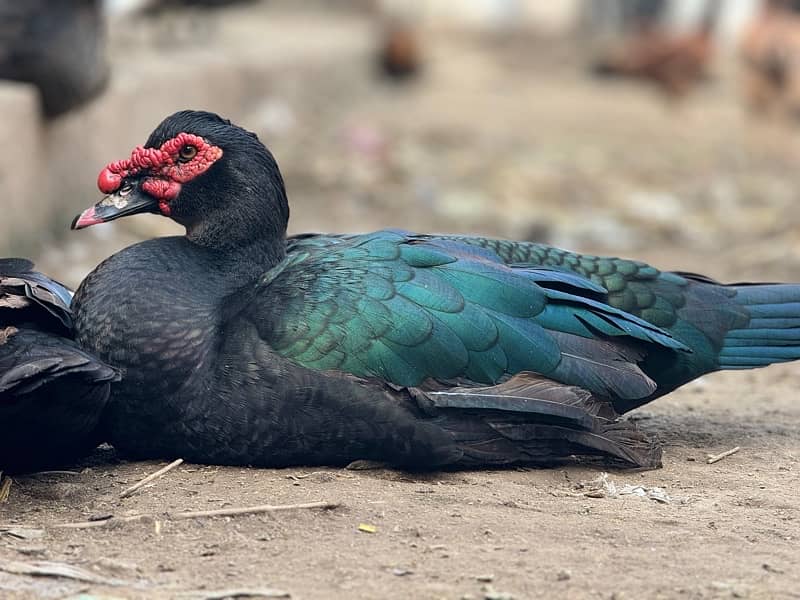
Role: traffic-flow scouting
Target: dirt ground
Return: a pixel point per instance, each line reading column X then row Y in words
column 506, row 137
column 728, row 530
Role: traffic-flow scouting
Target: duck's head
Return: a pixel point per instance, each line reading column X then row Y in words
column 211, row 176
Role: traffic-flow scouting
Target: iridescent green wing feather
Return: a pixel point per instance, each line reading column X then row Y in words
column 408, row 308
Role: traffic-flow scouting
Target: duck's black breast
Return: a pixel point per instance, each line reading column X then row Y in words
column 152, row 310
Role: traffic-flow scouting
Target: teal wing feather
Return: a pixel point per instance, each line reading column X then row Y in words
column 630, row 285
column 696, row 310
column 408, row 308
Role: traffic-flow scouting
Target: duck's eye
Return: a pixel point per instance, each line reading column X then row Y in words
column 187, row 153
column 125, row 189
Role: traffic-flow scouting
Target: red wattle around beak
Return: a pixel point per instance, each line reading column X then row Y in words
column 108, row 182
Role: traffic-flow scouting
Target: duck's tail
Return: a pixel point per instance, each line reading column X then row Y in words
column 770, row 333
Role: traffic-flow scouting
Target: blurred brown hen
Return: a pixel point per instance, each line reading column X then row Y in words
column 399, row 56
column 673, row 61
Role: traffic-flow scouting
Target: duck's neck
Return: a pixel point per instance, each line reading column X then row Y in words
column 247, row 261
column 244, row 248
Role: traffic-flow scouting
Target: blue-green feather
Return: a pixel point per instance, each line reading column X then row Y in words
column 408, row 308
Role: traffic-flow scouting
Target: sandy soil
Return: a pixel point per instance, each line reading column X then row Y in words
column 500, row 144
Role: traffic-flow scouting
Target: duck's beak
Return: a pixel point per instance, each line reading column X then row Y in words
column 125, row 201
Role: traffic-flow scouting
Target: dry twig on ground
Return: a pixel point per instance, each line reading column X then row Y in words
column 712, row 458
column 152, row 477
column 221, row 512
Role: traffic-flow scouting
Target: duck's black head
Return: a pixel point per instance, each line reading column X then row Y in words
column 211, row 176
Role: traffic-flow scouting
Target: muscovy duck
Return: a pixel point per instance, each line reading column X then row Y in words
column 239, row 346
column 51, row 391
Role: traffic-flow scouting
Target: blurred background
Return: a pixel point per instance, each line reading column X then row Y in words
column 659, row 129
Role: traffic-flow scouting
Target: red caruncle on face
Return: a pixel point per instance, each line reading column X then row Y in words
column 163, row 167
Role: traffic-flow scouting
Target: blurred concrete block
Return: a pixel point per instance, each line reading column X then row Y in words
column 23, row 182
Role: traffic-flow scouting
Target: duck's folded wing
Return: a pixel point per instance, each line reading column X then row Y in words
column 530, row 419
column 405, row 309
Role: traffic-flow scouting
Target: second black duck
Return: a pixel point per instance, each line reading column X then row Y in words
column 52, row 392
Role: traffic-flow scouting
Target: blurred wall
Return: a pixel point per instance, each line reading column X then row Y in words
column 564, row 16
column 549, row 17
column 732, row 17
